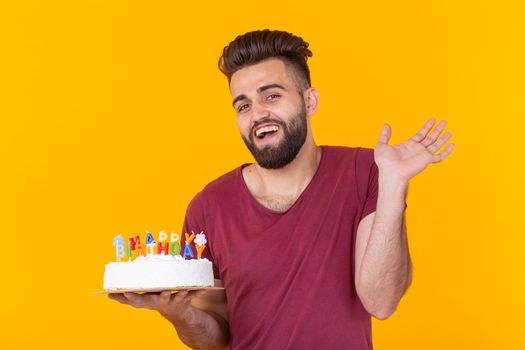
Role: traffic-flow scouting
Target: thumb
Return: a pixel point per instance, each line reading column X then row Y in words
column 386, row 132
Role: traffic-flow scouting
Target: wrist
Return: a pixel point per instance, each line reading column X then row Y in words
column 392, row 182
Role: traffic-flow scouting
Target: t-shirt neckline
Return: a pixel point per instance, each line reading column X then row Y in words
column 303, row 194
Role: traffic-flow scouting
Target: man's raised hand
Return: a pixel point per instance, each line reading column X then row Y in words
column 409, row 158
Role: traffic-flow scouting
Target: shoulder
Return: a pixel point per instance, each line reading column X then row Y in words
column 355, row 164
column 224, row 184
column 360, row 156
column 221, row 187
column 346, row 150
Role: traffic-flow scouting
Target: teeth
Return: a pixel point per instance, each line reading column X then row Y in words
column 258, row 132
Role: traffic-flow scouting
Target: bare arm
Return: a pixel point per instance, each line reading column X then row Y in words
column 199, row 317
column 383, row 267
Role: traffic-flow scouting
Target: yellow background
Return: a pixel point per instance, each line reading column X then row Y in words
column 114, row 114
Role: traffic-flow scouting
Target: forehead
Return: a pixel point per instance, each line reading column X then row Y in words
column 249, row 78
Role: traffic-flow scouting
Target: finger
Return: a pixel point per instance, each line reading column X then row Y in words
column 439, row 143
column 164, row 298
column 152, row 300
column 386, row 132
column 434, row 134
column 440, row 156
column 118, row 297
column 421, row 134
column 179, row 297
column 137, row 300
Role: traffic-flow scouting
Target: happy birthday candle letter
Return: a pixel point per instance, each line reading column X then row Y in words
column 187, row 248
column 200, row 243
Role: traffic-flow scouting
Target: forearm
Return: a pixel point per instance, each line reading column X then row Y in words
column 385, row 271
column 203, row 330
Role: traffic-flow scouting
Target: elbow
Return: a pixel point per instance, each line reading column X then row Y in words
column 383, row 314
column 379, row 306
column 380, row 310
column 381, row 302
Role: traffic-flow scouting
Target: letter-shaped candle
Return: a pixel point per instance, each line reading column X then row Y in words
column 163, row 247
column 175, row 244
column 139, row 247
column 130, row 248
column 200, row 243
column 187, row 248
column 150, row 243
column 163, row 236
column 119, row 244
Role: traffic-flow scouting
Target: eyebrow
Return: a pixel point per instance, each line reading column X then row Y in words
column 259, row 90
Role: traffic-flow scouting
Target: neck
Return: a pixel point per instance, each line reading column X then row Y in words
column 292, row 179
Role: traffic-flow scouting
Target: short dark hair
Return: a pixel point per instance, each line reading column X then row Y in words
column 256, row 46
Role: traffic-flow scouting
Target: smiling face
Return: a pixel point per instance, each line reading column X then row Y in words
column 271, row 112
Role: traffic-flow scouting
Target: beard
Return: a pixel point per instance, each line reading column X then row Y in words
column 294, row 136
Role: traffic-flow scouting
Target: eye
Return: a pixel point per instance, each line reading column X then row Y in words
column 242, row 107
column 272, row 96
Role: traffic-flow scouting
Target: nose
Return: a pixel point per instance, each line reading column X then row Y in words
column 259, row 111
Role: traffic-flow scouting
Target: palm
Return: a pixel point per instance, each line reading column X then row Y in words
column 411, row 157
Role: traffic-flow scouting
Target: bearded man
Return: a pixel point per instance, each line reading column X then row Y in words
column 308, row 241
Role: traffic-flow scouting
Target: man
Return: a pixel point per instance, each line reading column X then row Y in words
column 308, row 241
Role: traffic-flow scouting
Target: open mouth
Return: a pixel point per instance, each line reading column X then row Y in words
column 265, row 131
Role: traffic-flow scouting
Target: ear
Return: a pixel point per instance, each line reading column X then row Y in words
column 311, row 100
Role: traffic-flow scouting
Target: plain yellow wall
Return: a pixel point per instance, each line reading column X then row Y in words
column 114, row 114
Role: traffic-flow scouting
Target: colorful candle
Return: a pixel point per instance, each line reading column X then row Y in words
column 118, row 242
column 175, row 244
column 174, row 237
column 132, row 242
column 125, row 248
column 163, row 236
column 163, row 247
column 187, row 248
column 200, row 243
column 150, row 243
column 139, row 247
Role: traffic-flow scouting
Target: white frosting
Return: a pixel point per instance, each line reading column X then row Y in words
column 158, row 271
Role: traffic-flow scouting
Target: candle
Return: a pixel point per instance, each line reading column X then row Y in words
column 150, row 243
column 163, row 236
column 118, row 242
column 174, row 244
column 187, row 248
column 132, row 242
column 129, row 250
column 149, row 238
column 162, row 247
column 200, row 243
column 175, row 237
column 138, row 246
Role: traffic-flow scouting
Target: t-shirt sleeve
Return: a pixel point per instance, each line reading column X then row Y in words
column 371, row 172
column 371, row 181
column 195, row 221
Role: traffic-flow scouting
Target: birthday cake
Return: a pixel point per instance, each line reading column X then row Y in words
column 158, row 265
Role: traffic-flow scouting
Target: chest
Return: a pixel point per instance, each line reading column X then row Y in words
column 276, row 202
column 253, row 249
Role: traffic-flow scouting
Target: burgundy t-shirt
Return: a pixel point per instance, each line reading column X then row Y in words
column 289, row 276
